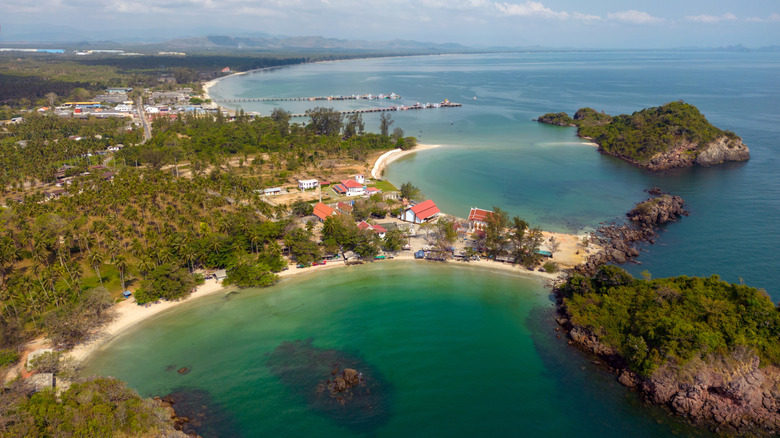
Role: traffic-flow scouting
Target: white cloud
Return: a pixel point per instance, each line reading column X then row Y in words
column 704, row 18
column 585, row 17
column 772, row 18
column 529, row 9
column 633, row 16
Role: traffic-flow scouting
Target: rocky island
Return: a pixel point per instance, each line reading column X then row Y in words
column 704, row 348
column 674, row 135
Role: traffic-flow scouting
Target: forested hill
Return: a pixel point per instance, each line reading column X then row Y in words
column 669, row 136
column 705, row 348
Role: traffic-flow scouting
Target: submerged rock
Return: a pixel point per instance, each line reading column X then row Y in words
column 195, row 413
column 333, row 383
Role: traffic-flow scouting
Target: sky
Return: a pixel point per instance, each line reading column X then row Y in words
column 548, row 23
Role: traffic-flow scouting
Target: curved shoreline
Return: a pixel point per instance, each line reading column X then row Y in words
column 129, row 314
column 388, row 157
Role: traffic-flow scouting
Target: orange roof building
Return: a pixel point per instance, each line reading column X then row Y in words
column 322, row 211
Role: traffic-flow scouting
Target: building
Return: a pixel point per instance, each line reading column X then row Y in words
column 273, row 191
column 372, row 191
column 306, row 184
column 323, row 212
column 118, row 90
column 478, row 219
column 344, row 208
column 420, row 213
column 378, row 229
column 350, row 187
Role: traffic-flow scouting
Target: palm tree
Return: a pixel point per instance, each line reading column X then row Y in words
column 121, row 265
column 96, row 259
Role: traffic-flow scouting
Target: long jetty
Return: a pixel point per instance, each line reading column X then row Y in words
column 391, row 96
column 418, row 106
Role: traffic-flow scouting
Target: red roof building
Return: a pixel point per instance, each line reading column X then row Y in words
column 375, row 228
column 322, row 211
column 478, row 218
column 421, row 212
column 350, row 187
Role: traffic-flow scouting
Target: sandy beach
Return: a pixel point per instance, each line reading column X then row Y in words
column 128, row 313
column 388, row 157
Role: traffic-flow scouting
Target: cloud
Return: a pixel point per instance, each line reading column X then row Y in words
column 772, row 18
column 585, row 17
column 704, row 18
column 529, row 9
column 632, row 16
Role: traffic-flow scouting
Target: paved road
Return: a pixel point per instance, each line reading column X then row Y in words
column 144, row 122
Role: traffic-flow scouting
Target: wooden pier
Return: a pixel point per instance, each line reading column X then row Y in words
column 418, row 106
column 391, row 96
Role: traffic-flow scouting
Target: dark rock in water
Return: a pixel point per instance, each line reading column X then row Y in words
column 334, row 383
column 619, row 241
column 194, row 412
column 184, row 370
column 655, row 191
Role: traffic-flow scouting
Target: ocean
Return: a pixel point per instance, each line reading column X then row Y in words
column 466, row 352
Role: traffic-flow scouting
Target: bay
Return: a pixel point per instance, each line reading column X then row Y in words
column 463, row 352
column 470, row 352
column 495, row 155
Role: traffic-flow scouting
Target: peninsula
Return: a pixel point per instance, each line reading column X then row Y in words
column 674, row 135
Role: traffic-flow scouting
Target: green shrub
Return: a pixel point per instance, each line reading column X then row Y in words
column 651, row 322
column 550, row 267
column 8, row 357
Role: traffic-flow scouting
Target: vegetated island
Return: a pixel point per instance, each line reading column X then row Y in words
column 702, row 347
column 674, row 135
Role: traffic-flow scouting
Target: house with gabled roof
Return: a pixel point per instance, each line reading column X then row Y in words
column 478, row 219
column 378, row 229
column 322, row 211
column 344, row 208
column 420, row 213
column 350, row 187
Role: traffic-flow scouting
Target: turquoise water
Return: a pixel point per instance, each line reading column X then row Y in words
column 466, row 352
column 463, row 352
column 495, row 154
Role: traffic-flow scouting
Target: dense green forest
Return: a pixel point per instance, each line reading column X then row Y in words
column 645, row 133
column 653, row 322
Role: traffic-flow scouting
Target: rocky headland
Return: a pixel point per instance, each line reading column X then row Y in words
column 728, row 394
column 620, row 241
column 674, row 135
column 703, row 348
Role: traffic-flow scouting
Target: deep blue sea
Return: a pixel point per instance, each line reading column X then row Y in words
column 473, row 353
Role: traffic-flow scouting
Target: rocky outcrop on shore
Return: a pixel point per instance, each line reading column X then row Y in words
column 725, row 394
column 620, row 241
column 719, row 151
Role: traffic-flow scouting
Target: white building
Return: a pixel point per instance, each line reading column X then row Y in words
column 305, row 184
column 422, row 212
column 124, row 107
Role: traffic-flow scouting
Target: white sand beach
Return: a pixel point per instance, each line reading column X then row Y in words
column 388, row 157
